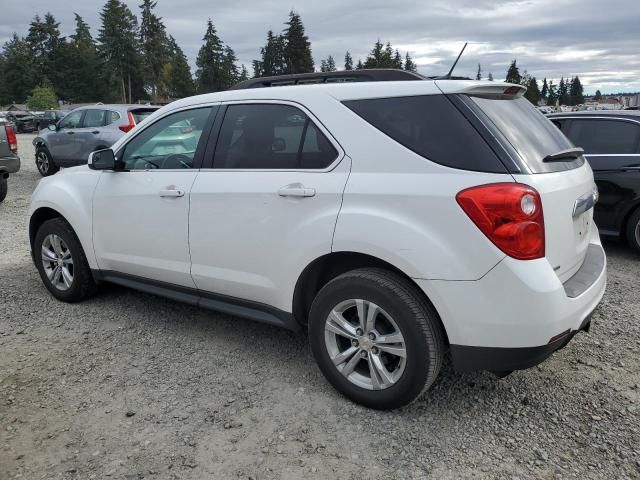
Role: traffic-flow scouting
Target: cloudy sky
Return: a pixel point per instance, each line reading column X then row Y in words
column 595, row 39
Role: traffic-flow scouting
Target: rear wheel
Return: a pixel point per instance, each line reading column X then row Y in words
column 3, row 188
column 633, row 230
column 61, row 262
column 376, row 338
column 44, row 162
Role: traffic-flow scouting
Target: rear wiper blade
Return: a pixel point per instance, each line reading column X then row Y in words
column 570, row 153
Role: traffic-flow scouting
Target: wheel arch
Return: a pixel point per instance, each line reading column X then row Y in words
column 327, row 267
column 633, row 208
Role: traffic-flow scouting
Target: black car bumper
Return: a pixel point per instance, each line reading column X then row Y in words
column 496, row 359
column 9, row 164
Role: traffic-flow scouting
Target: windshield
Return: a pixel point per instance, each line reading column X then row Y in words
column 529, row 132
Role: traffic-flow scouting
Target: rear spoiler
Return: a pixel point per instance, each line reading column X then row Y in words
column 484, row 88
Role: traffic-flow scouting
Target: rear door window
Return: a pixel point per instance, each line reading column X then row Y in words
column 601, row 136
column 112, row 117
column 431, row 126
column 527, row 131
column 94, row 118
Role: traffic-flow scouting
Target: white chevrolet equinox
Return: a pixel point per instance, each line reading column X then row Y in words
column 397, row 221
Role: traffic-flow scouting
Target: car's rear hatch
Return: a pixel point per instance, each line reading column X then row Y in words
column 531, row 148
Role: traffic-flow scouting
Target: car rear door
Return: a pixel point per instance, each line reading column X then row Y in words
column 266, row 203
column 612, row 147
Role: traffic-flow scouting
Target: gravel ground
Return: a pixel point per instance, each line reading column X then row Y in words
column 127, row 385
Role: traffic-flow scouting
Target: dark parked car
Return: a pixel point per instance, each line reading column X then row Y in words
column 50, row 117
column 9, row 160
column 611, row 141
column 24, row 121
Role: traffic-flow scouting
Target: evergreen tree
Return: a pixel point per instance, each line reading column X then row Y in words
column 4, row 94
column 244, row 74
column 576, row 92
column 545, row 89
column 348, row 61
column 382, row 56
column 297, row 46
column 360, row 65
column 83, row 82
column 533, row 91
column 598, row 95
column 479, row 73
column 19, row 76
column 563, row 92
column 211, row 62
column 154, row 43
column 176, row 79
column 409, row 65
column 273, row 60
column 397, row 60
column 552, row 96
column 118, row 48
column 513, row 74
column 45, row 43
column 490, row 77
column 328, row 65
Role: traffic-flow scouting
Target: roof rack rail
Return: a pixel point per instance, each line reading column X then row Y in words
column 344, row 76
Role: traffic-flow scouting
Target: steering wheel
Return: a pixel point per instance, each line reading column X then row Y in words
column 177, row 159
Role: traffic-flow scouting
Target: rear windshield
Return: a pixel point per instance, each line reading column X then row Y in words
column 142, row 113
column 431, row 126
column 529, row 132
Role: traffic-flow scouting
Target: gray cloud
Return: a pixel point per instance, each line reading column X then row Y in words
column 549, row 38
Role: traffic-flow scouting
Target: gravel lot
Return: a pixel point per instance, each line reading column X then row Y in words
column 127, row 385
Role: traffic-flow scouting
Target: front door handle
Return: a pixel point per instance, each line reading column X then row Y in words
column 95, row 132
column 70, row 133
column 296, row 190
column 172, row 193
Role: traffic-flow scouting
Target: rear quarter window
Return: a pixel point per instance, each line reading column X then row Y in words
column 432, row 127
column 141, row 113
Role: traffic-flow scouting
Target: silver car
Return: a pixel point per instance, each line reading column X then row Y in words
column 84, row 130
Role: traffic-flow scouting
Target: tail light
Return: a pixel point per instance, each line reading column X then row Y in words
column 12, row 140
column 510, row 215
column 130, row 125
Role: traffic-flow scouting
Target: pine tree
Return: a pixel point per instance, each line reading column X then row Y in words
column 409, row 65
column 244, row 74
column 545, row 90
column 297, row 46
column 154, row 43
column 83, row 83
column 513, row 74
column 563, row 92
column 211, row 62
column 598, row 95
column 533, row 91
column 397, row 60
column 490, row 77
column 45, row 42
column 360, row 65
column 176, row 79
column 273, row 60
column 552, row 96
column 479, row 73
column 576, row 92
column 382, row 56
column 348, row 61
column 19, row 76
column 329, row 65
column 118, row 48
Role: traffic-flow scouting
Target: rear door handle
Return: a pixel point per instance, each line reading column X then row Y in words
column 296, row 190
column 70, row 133
column 172, row 193
column 95, row 132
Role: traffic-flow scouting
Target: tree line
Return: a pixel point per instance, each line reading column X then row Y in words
column 133, row 59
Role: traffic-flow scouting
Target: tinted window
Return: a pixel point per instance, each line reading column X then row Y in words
column 94, row 118
column 604, row 136
column 112, row 117
column 170, row 143
column 432, row 127
column 72, row 120
column 529, row 132
column 271, row 137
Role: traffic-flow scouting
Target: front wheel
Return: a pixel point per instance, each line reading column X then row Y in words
column 633, row 230
column 44, row 162
column 376, row 338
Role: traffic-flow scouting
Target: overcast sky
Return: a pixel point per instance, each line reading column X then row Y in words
column 595, row 39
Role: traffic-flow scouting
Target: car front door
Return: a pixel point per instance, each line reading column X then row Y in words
column 612, row 147
column 141, row 211
column 89, row 133
column 63, row 144
column 268, row 203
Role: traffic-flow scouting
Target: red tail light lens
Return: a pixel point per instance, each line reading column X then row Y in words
column 12, row 140
column 132, row 123
column 510, row 215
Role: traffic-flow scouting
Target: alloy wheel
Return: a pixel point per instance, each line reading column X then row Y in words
column 42, row 161
column 57, row 262
column 365, row 344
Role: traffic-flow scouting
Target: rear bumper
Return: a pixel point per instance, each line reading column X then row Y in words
column 9, row 164
column 519, row 313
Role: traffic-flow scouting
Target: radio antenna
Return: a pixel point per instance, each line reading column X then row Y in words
column 448, row 75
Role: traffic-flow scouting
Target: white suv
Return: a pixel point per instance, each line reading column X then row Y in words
column 398, row 221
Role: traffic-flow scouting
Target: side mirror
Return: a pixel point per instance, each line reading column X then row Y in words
column 53, row 127
column 102, row 160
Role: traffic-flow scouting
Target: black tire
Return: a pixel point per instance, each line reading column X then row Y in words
column 3, row 188
column 82, row 286
column 414, row 316
column 633, row 230
column 44, row 162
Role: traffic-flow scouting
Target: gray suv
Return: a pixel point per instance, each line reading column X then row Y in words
column 84, row 130
column 9, row 160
